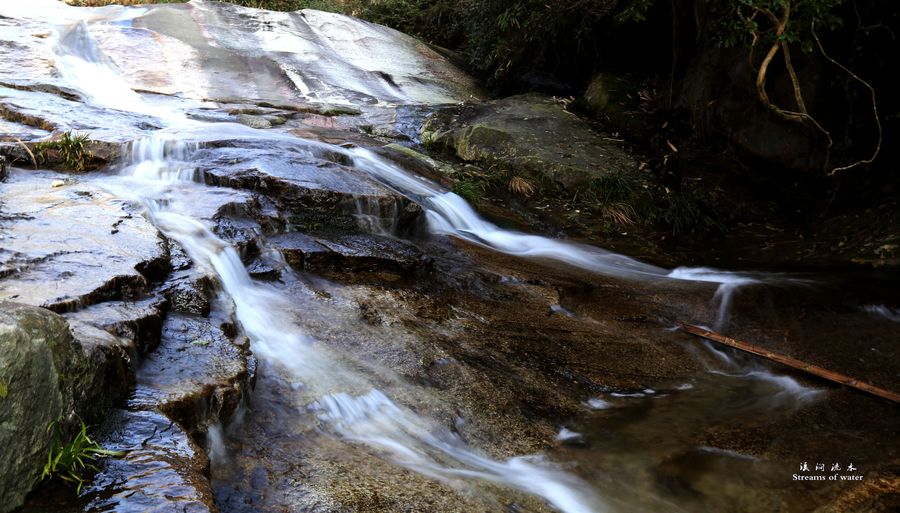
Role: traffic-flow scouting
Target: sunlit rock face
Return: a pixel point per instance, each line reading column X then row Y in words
column 219, row 51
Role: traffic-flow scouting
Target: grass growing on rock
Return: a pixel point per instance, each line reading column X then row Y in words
column 72, row 461
column 70, row 150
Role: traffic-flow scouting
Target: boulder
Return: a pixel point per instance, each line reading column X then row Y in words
column 719, row 91
column 47, row 375
column 529, row 135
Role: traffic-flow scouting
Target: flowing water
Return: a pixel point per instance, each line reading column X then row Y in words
column 353, row 404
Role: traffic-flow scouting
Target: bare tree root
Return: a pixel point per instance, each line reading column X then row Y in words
column 874, row 109
column 801, row 116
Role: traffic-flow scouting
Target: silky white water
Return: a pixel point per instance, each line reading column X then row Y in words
column 348, row 403
column 369, row 417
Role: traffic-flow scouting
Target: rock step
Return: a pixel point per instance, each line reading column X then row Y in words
column 349, row 252
column 136, row 322
column 311, row 192
column 197, row 375
column 163, row 470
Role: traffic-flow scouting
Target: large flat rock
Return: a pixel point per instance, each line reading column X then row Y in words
column 308, row 56
column 303, row 57
column 70, row 246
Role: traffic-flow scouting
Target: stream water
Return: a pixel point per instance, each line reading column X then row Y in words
column 604, row 460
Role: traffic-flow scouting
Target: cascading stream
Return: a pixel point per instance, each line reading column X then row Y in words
column 349, row 404
column 369, row 417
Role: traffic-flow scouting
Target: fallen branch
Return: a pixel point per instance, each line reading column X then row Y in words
column 791, row 362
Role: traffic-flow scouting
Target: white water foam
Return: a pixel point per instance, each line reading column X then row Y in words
column 595, row 403
column 567, row 435
column 786, row 392
column 371, row 417
column 891, row 314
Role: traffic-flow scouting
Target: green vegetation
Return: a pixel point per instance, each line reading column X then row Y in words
column 70, row 149
column 687, row 210
column 70, row 462
column 615, row 199
column 470, row 190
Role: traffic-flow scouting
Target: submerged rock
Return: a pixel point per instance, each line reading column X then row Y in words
column 529, row 135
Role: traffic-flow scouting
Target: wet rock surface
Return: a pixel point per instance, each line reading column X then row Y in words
column 197, row 375
column 137, row 322
column 110, row 253
column 312, row 192
column 498, row 356
column 162, row 470
column 349, row 253
column 334, row 58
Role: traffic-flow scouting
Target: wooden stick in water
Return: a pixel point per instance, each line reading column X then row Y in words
column 790, row 362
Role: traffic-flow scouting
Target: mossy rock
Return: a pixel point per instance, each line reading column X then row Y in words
column 45, row 376
column 532, row 136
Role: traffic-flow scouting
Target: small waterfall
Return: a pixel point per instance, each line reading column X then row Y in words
column 368, row 417
column 161, row 159
column 215, row 438
column 375, row 218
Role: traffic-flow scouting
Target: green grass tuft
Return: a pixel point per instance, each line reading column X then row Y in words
column 71, row 150
column 70, row 462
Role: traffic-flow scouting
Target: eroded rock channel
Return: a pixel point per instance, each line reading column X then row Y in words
column 266, row 314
